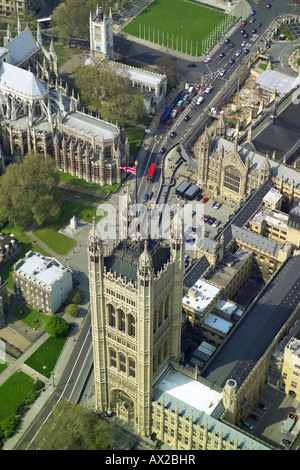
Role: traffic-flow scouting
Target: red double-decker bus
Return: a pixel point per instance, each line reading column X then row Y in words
column 151, row 173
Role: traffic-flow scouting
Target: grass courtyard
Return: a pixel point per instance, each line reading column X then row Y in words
column 175, row 24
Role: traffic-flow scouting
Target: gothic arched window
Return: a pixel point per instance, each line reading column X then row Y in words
column 232, row 178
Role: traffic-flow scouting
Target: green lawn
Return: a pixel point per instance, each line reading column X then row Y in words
column 182, row 20
column 135, row 137
column 68, row 178
column 48, row 232
column 43, row 360
column 30, row 316
column 27, row 245
column 13, row 392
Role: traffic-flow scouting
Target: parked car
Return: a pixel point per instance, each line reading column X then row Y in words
column 180, row 109
column 217, row 205
column 246, row 51
column 268, row 5
column 252, row 20
column 231, row 62
column 238, row 52
column 243, row 23
column 243, row 31
column 162, row 150
column 207, row 60
column 246, row 35
column 259, row 25
column 204, row 200
column 222, row 73
column 145, row 198
column 248, row 425
column 169, row 122
column 253, row 416
column 227, row 40
column 253, row 31
column 200, row 99
column 216, row 223
column 244, row 43
column 187, row 118
column 208, row 89
column 173, row 134
column 221, row 55
column 180, row 103
column 211, row 221
column 206, row 219
column 252, row 12
column 261, row 406
column 191, row 65
column 231, row 44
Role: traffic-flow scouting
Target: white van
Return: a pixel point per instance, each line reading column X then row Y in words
column 191, row 89
column 199, row 100
column 187, row 86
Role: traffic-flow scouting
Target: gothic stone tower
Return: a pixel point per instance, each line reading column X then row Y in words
column 101, row 35
column 136, row 293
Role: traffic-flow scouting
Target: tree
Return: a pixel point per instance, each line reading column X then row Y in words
column 74, row 427
column 75, row 296
column 167, row 66
column 56, row 326
column 28, row 191
column 73, row 310
column 70, row 19
column 110, row 92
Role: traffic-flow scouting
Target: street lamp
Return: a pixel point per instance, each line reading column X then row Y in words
column 136, row 190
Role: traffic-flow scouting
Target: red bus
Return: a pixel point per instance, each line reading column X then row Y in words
column 151, row 173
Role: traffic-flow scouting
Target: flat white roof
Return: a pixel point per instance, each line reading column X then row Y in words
column 190, row 392
column 41, row 270
column 226, row 306
column 205, row 294
column 272, row 196
column 218, row 323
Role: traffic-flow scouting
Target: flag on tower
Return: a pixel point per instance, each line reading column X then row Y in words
column 128, row 169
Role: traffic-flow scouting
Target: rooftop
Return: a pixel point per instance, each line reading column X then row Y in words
column 90, row 126
column 246, row 345
column 21, row 81
column 201, row 295
column 40, row 270
column 22, row 47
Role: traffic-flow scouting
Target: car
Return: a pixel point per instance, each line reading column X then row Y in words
column 186, row 118
column 268, row 5
column 253, row 416
column 211, row 221
column 192, row 65
column 180, row 103
column 198, row 87
column 248, row 425
column 243, row 31
column 185, row 97
column 200, row 99
column 231, row 44
column 286, row 442
column 252, row 12
column 206, row 219
column 180, row 109
column 162, row 150
column 246, row 51
column 246, row 35
column 252, row 20
column 216, row 223
column 259, row 25
column 227, row 40
column 207, row 60
column 169, row 122
column 208, row 89
column 238, row 52
column 221, row 55
column 173, row 134
column 261, row 406
column 222, row 73
column 217, row 205
column 204, row 200
column 244, row 43
column 145, row 198
column 231, row 62
column 193, row 213
column 174, row 113
column 243, row 23
column 253, row 31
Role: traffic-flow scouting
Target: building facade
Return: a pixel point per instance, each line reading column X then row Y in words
column 42, row 282
column 136, row 322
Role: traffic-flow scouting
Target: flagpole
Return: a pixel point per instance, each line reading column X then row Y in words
column 136, row 190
